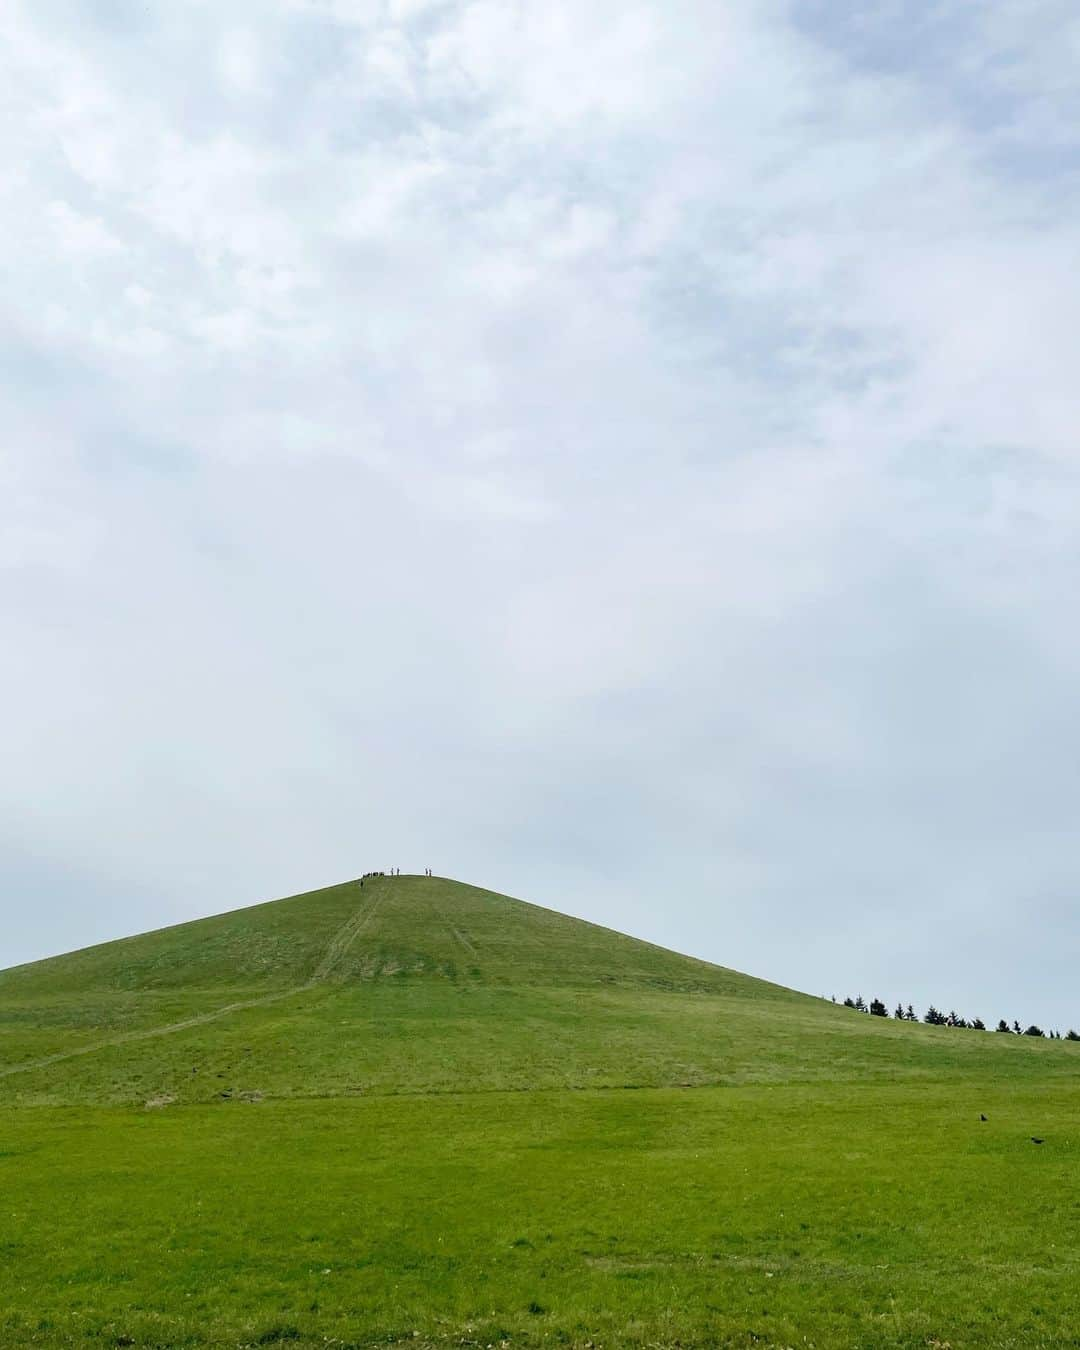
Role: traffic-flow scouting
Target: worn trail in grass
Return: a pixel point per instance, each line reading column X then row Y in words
column 335, row 952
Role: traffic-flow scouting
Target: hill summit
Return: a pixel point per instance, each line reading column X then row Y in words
column 383, row 927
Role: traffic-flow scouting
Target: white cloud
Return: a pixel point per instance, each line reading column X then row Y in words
column 637, row 436
column 239, row 60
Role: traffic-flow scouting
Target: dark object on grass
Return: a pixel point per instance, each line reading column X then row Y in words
column 1037, row 1141
column 982, row 1117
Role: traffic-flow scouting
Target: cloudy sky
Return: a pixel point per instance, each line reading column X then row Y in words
column 623, row 454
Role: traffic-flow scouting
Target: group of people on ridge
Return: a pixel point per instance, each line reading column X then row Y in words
column 394, row 872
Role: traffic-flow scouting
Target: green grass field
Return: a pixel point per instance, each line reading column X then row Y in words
column 421, row 1112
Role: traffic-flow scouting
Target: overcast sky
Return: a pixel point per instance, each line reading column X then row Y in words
column 623, row 454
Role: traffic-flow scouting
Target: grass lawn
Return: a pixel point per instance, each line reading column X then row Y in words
column 751, row 1216
column 632, row 1149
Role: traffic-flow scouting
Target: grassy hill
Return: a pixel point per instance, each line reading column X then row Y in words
column 418, row 984
column 397, row 1111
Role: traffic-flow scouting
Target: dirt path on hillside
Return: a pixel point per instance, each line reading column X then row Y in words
column 336, row 949
column 340, row 943
column 464, row 941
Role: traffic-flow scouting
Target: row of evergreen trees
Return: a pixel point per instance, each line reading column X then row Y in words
column 935, row 1018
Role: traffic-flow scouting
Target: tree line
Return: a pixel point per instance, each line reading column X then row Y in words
column 936, row 1018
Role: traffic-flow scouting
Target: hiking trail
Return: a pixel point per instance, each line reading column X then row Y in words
column 336, row 949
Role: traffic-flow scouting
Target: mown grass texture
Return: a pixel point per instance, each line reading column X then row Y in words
column 482, row 1122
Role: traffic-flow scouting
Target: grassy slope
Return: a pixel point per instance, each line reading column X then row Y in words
column 414, row 984
column 829, row 1179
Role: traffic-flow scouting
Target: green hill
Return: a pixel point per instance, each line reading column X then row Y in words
column 402, row 984
column 418, row 984
column 385, row 927
column 398, row 1112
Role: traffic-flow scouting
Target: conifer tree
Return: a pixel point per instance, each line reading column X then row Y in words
column 1071, row 1035
column 934, row 1018
column 977, row 1024
column 1033, row 1030
column 859, row 1003
column 1004, row 1026
column 912, row 1016
column 899, row 1013
column 1016, row 1029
